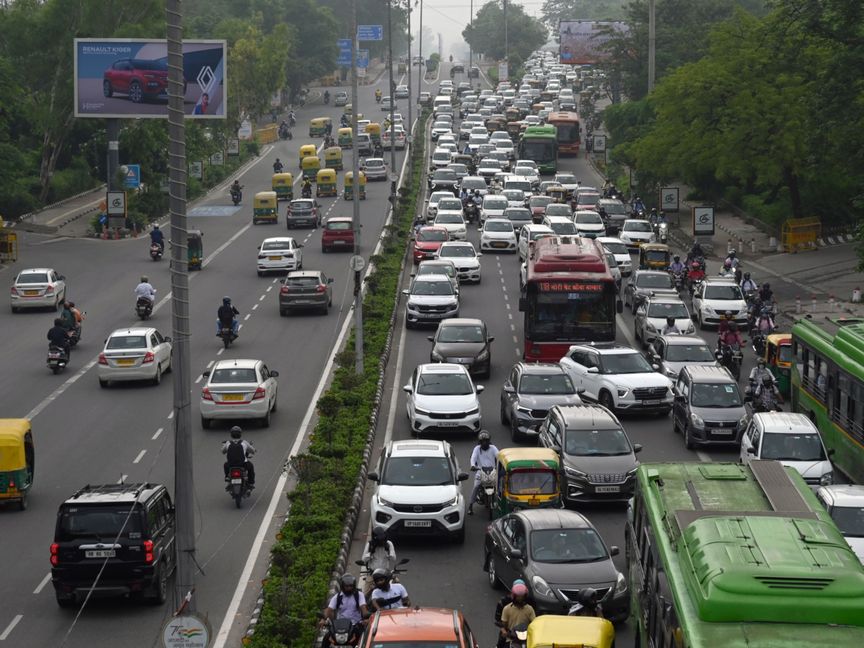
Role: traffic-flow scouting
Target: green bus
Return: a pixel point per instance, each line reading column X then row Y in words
column 733, row 556
column 828, row 386
column 540, row 143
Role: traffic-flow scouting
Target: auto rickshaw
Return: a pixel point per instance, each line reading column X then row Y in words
column 348, row 193
column 265, row 208
column 495, row 124
column 778, row 360
column 326, row 183
column 345, row 138
column 557, row 193
column 512, row 115
column 311, row 164
column 17, row 459
column 307, row 150
column 654, row 256
column 515, row 128
column 195, row 249
column 318, row 126
column 283, row 185
column 467, row 160
column 374, row 131
column 333, row 158
column 558, row 631
column 348, row 109
column 527, row 478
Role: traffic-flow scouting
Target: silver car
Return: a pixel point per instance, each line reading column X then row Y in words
column 38, row 288
column 134, row 354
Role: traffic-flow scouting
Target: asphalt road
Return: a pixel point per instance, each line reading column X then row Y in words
column 85, row 434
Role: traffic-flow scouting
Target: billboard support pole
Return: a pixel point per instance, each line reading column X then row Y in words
column 112, row 127
column 410, row 94
column 392, row 103
column 355, row 168
column 422, row 71
column 183, row 486
column 652, row 42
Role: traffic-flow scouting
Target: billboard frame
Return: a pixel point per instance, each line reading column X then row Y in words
column 596, row 56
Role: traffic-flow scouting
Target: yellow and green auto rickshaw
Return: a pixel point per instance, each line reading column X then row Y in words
column 515, row 128
column 527, row 478
column 195, row 249
column 307, row 150
column 778, row 360
column 348, row 109
column 512, row 115
column 345, row 138
column 17, row 461
column 326, row 183
column 654, row 256
column 265, row 209
column 495, row 124
column 348, row 193
column 558, row 631
column 311, row 165
column 283, row 185
column 318, row 126
column 557, row 193
column 333, row 158
column 374, row 131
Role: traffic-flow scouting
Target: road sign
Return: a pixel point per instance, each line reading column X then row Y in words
column 370, row 32
column 703, row 221
column 599, row 143
column 362, row 58
column 187, row 631
column 196, row 169
column 132, row 179
column 357, row 263
column 245, row 130
column 116, row 201
column 344, row 57
column 503, row 71
column 217, row 159
column 233, row 146
column 669, row 199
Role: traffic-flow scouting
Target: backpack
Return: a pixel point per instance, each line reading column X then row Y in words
column 235, row 453
column 340, row 598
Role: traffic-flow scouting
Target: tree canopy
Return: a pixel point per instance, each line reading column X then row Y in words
column 486, row 34
column 557, row 10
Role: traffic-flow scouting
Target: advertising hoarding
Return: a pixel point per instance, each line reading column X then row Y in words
column 703, row 221
column 120, row 77
column 581, row 41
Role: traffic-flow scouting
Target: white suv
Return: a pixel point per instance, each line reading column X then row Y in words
column 442, row 397
column 418, row 489
column 431, row 298
column 617, row 377
column 464, row 257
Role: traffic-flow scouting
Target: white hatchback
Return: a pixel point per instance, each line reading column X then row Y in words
column 498, row 235
column 238, row 389
column 134, row 354
column 464, row 257
column 279, row 254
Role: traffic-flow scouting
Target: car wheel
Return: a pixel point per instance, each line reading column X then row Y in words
column 206, row 423
column 158, row 594
column 283, row 312
column 136, row 94
column 701, row 323
column 157, row 379
column 275, row 401
column 22, row 504
column 494, row 583
column 260, row 274
column 265, row 420
column 106, row 89
column 503, row 414
column 103, row 383
column 607, row 401
column 688, row 438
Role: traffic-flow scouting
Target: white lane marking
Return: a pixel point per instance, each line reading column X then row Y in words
column 139, row 457
column 122, row 479
column 219, row 352
column 211, row 363
column 394, row 393
column 512, row 327
column 248, row 315
column 157, row 433
column 703, row 457
column 222, row 247
column 255, row 549
column 198, row 379
column 508, row 306
column 11, row 627
column 515, row 340
column 262, row 298
column 42, row 584
column 506, row 298
column 254, row 306
column 239, row 327
column 269, row 288
column 275, row 280
column 803, row 286
column 518, row 353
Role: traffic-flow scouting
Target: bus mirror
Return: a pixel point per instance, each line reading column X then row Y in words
column 619, row 306
column 523, row 305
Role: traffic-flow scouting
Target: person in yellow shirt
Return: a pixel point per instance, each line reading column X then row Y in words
column 517, row 613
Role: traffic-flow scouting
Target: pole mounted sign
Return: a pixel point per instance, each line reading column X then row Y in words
column 362, row 58
column 370, row 32
column 703, row 221
column 669, row 199
column 344, row 58
column 132, row 177
column 116, row 202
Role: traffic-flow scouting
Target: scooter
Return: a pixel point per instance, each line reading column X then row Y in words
column 236, row 196
column 488, row 479
column 57, row 359
column 143, row 308
column 227, row 335
column 730, row 357
column 663, row 232
column 238, row 484
column 306, row 192
column 155, row 251
column 75, row 336
column 326, row 98
column 285, row 133
column 518, row 636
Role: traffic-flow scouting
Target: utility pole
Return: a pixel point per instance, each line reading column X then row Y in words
column 420, row 55
column 183, row 484
column 652, row 42
column 470, row 50
column 112, row 128
column 355, row 169
column 410, row 91
column 506, row 42
column 392, row 102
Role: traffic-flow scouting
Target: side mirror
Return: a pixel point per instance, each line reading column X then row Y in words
column 462, row 476
column 517, row 554
column 275, row 374
column 593, row 370
column 480, row 388
column 431, row 338
column 655, row 367
column 168, row 339
column 299, row 245
column 404, row 561
column 360, row 562
column 282, row 281
column 407, row 389
column 206, row 374
column 372, row 476
column 329, row 281
column 830, row 452
column 508, row 388
column 406, row 291
column 613, row 550
column 637, row 448
column 751, row 450
column 580, row 390
column 490, row 339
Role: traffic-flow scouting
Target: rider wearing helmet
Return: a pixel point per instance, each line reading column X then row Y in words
column 278, row 166
column 379, row 553
column 759, row 373
column 157, row 237
column 503, row 602
column 237, row 451
column 731, row 337
column 670, row 328
column 676, row 266
column 484, row 455
column 518, row 611
column 748, row 285
column 767, row 395
column 226, row 317
column 348, row 602
column 388, row 595
column 145, row 291
column 766, row 295
column 589, row 605
column 733, row 259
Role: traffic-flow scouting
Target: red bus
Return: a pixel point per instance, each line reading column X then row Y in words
column 569, row 296
column 569, row 131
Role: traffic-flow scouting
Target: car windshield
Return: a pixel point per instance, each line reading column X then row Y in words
column 653, row 281
column 445, row 174
column 728, row 291
column 463, row 251
column 489, row 163
column 850, row 520
column 540, row 234
column 233, row 375
column 567, row 546
column 417, row 471
column 373, row 163
column 616, row 248
column 276, row 245
column 450, row 203
column 565, row 179
column 441, row 155
column 498, row 226
column 431, row 236
column 126, row 342
column 304, row 282
column 32, row 277
column 540, row 201
column 552, row 384
column 495, row 203
column 514, row 194
column 664, row 310
column 461, row 333
column 714, row 395
column 441, row 125
column 469, row 184
column 301, row 205
column 563, row 228
column 444, row 384
column 637, row 226
column 449, row 219
column 517, row 214
column 689, row 353
column 339, row 225
column 792, row 447
column 625, row 363
column 594, row 219
column 558, row 210
column 102, row 523
column 596, row 443
column 432, row 288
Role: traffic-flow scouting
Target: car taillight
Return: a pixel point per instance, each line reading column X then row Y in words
column 49, row 290
column 102, row 359
column 259, row 393
column 284, row 290
column 14, row 290
column 148, row 357
column 148, row 551
column 206, row 395
column 321, row 289
column 55, row 559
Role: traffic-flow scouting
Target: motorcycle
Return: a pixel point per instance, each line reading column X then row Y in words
column 488, row 479
column 306, row 191
column 75, row 336
column 238, row 484
column 471, row 212
column 155, row 251
column 366, row 573
column 341, row 633
column 730, row 357
column 326, row 98
column 662, row 232
column 236, row 196
column 292, row 120
column 517, row 637
column 377, row 97
column 227, row 335
column 285, row 133
column 678, row 278
column 57, row 359
column 143, row 308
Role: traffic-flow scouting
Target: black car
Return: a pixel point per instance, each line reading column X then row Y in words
column 115, row 539
column 444, row 180
column 557, row 553
column 463, row 341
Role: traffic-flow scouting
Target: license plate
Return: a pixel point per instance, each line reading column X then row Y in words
column 652, row 401
column 448, row 424
column 720, row 432
column 607, row 489
column 418, row 523
column 499, row 245
column 274, row 258
column 31, row 293
column 338, row 242
column 232, row 397
column 236, row 481
column 125, row 362
column 100, row 553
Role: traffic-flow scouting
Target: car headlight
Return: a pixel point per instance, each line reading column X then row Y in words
column 620, row 585
column 483, row 355
column 622, row 391
column 422, row 412
column 475, row 410
column 572, row 472
column 697, row 420
column 671, row 373
column 384, row 502
column 827, row 479
column 541, row 587
column 708, row 310
column 523, row 409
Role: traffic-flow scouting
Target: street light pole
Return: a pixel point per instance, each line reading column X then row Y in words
column 506, row 43
column 410, row 89
column 392, row 102
column 420, row 55
column 355, row 169
column 652, row 42
column 470, row 49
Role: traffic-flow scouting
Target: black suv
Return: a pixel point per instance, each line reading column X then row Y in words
column 128, row 529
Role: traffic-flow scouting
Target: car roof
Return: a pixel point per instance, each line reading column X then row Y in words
column 462, row 321
column 540, row 368
column 340, row 219
column 729, row 281
column 708, row 374
column 587, row 414
column 432, row 277
column 552, row 218
column 784, row 423
column 605, row 239
column 553, row 519
column 137, row 330
column 642, row 273
column 303, row 273
column 606, row 348
column 680, row 340
column 409, row 625
column 114, row 493
column 844, row 494
column 277, row 239
column 417, row 447
column 236, row 362
column 36, row 270
column 442, row 367
column 664, row 299
column 534, row 227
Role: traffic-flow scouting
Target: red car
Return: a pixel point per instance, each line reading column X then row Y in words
column 537, row 205
column 427, row 241
column 338, row 234
column 139, row 79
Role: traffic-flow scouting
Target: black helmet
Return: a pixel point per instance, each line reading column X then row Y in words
column 677, row 257
column 348, row 580
column 58, row 321
column 226, row 301
column 732, row 253
column 588, row 596
column 767, row 379
column 746, row 275
column 766, row 286
column 156, row 226
column 484, row 437
column 236, row 431
column 145, row 279
column 670, row 320
column 380, row 574
column 379, row 534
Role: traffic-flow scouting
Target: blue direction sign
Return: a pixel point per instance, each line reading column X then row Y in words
column 133, row 176
column 344, row 58
column 370, row 32
column 362, row 58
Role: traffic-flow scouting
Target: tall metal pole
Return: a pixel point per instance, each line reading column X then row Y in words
column 112, row 127
column 652, row 42
column 470, row 49
column 183, row 485
column 392, row 102
column 355, row 168
column 506, row 42
column 410, row 89
column 420, row 55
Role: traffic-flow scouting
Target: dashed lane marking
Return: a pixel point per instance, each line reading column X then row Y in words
column 170, row 415
column 42, row 584
column 157, row 433
column 262, row 298
column 254, row 306
column 220, row 351
column 11, row 627
column 248, row 315
column 139, row 457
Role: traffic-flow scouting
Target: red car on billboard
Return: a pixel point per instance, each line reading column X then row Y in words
column 138, row 79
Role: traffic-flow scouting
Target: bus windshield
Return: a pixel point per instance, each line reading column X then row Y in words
column 570, row 316
column 568, row 132
column 538, row 150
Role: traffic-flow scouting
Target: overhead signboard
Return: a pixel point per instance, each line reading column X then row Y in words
column 581, row 41
column 120, row 77
column 370, row 32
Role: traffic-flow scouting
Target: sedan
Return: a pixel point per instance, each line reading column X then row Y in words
column 401, row 92
column 305, row 289
column 278, row 254
column 440, row 128
column 671, row 353
column 375, row 169
column 454, row 224
column 463, row 341
column 238, row 389
column 652, row 314
column 442, row 397
column 530, row 391
column 635, row 232
column 464, row 257
column 38, row 288
column 432, row 203
column 590, row 225
column 498, row 235
column 134, row 354
column 557, row 553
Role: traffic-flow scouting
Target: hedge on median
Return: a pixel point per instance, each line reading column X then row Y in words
column 308, row 545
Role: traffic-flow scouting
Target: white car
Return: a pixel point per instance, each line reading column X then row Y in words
column 500, row 136
column 402, row 92
column 561, row 225
column 619, row 251
column 38, row 288
column 449, row 205
column 375, row 168
column 400, row 139
column 134, row 354
column 442, row 397
column 635, row 232
column 590, row 225
column 617, row 377
column 515, row 197
column 464, row 257
column 279, row 254
column 447, row 141
column 475, row 142
column 430, row 299
column 441, row 157
column 474, row 184
column 530, row 233
column 845, row 505
column 488, row 168
column 440, row 128
column 497, row 235
column 454, row 224
column 238, row 389
column 418, row 489
column 568, row 181
column 529, row 173
column 493, row 207
column 652, row 314
column 432, row 204
column 715, row 297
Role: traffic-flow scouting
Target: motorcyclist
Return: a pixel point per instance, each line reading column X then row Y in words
column 759, row 373
column 588, row 603
column 733, row 259
column 67, row 317
column 343, row 121
column 306, row 189
column 388, row 595
column 379, row 552
column 226, row 317
column 518, row 611
column 238, row 451
column 725, row 321
column 79, row 316
column 696, row 252
column 292, row 119
column 283, row 127
column 278, row 166
column 326, row 96
column 347, row 603
column 157, row 237
column 145, row 291
column 328, row 141
column 766, row 295
column 638, row 205
column 237, row 190
column 767, row 396
column 765, row 324
column 58, row 336
column 748, row 285
column 503, row 602
column 727, row 267
column 731, row 337
column 484, row 455
column 676, row 267
column 670, row 328
column 378, row 95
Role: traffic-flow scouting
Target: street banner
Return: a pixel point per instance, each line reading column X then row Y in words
column 116, row 203
column 581, row 41
column 703, row 221
column 669, row 199
column 119, row 77
column 132, row 178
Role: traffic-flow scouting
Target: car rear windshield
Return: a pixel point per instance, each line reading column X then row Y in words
column 462, row 251
column 233, row 375
column 517, row 214
column 339, row 225
column 654, row 281
column 567, row 546
column 614, row 208
column 495, row 203
column 553, row 384
column 444, row 384
column 689, row 353
column 473, row 183
column 850, row 520
column 276, row 245
column 449, row 219
column 302, row 281
column 100, row 523
column 498, row 226
column 715, row 395
column 450, row 203
column 431, row 236
column 32, row 277
column 678, row 311
column 126, row 342
column 637, row 226
column 445, row 174
column 461, row 333
column 596, row 443
column 301, row 204
column 540, row 201
column 589, row 198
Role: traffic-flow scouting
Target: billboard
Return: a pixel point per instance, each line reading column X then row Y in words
column 581, row 41
column 120, row 77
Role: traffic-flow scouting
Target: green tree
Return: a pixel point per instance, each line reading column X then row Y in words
column 557, row 10
column 486, row 34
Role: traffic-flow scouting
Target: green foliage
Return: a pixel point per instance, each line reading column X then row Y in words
column 556, row 10
column 486, row 33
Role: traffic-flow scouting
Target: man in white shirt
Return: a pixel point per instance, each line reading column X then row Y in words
column 145, row 290
column 388, row 595
column 484, row 455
